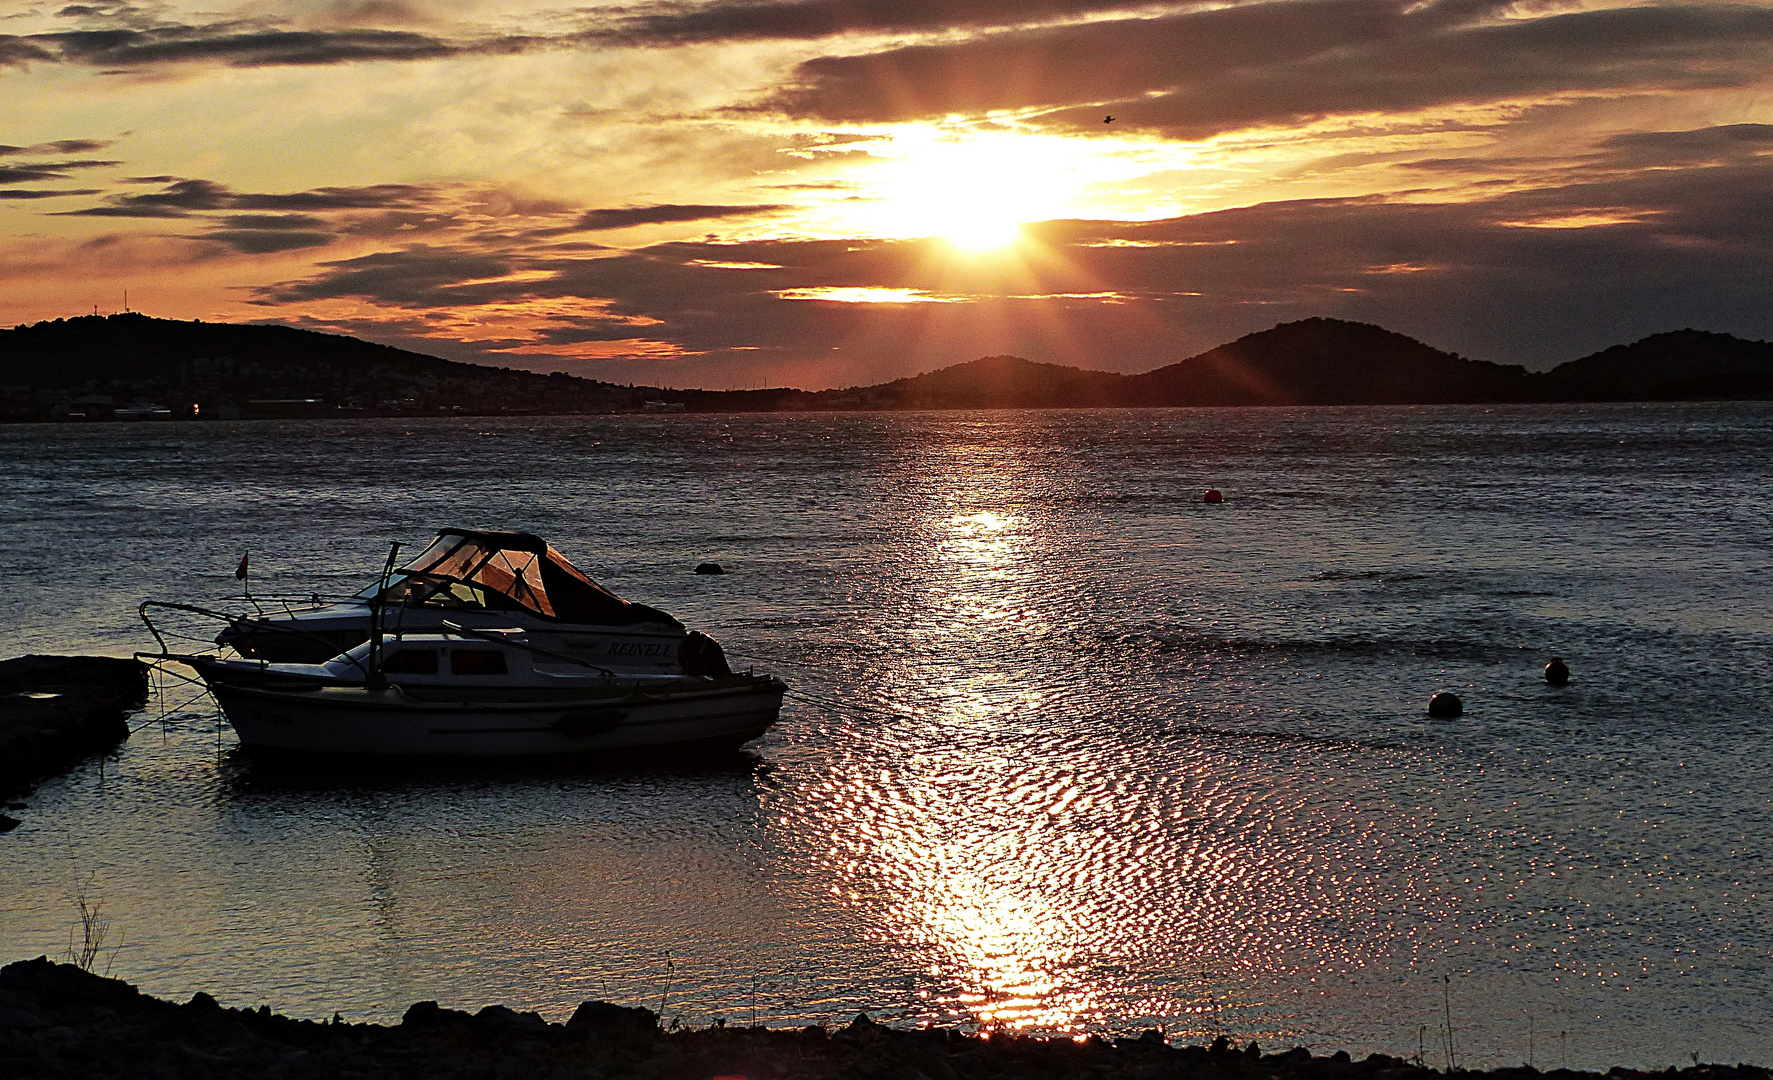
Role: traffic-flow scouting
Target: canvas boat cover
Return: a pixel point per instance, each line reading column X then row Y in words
column 477, row 568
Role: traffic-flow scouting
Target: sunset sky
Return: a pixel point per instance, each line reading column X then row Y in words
column 823, row 193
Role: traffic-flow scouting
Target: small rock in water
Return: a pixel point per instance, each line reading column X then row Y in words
column 709, row 568
column 7, row 824
column 1445, row 705
column 1556, row 673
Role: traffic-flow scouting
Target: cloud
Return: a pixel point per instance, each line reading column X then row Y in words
column 16, row 51
column 418, row 277
column 1196, row 73
column 622, row 218
column 679, row 23
column 1662, row 149
column 266, row 241
column 60, row 146
column 179, row 199
column 251, row 48
column 29, row 193
column 182, row 197
column 47, row 170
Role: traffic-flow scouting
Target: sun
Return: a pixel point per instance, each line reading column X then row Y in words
column 976, row 192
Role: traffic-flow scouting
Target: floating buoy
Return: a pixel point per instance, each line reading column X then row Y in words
column 709, row 568
column 1556, row 673
column 1444, row 705
column 1213, row 495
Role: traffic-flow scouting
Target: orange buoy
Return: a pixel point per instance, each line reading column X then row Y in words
column 1213, row 495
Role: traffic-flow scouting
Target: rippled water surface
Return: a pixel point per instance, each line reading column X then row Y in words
column 1071, row 749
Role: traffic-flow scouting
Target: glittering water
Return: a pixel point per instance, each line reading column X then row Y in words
column 1074, row 750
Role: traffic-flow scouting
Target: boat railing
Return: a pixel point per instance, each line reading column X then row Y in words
column 235, row 622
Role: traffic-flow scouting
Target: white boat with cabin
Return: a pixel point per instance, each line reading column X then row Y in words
column 479, row 693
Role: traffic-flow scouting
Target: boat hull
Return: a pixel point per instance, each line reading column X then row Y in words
column 394, row 721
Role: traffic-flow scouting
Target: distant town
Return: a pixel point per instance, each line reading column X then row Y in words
column 133, row 367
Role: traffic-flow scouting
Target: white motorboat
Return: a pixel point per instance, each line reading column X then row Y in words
column 482, row 578
column 479, row 693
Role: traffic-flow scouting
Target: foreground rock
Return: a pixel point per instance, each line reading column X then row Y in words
column 56, row 710
column 58, row 1021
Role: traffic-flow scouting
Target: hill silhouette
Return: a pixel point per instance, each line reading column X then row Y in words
column 1676, row 366
column 115, row 359
column 1006, row 382
column 89, row 365
column 1328, row 362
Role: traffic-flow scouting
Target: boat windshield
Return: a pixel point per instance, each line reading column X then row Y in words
column 509, row 571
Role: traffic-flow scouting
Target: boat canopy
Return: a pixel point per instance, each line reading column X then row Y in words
column 477, row 568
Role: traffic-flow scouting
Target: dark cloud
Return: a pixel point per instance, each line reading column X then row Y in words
column 47, row 170
column 60, row 146
column 417, row 277
column 1196, row 73
column 180, row 198
column 16, row 51
column 811, row 19
column 272, row 221
column 266, row 241
column 249, row 48
column 369, row 197
column 1660, row 149
column 28, row 193
column 624, row 217
column 183, row 197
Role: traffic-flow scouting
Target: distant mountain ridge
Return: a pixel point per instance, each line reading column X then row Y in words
column 93, row 364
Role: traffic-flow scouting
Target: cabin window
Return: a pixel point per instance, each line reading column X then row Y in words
column 476, row 662
column 412, row 662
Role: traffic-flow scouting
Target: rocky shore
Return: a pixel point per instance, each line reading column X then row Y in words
column 56, row 710
column 58, row 1021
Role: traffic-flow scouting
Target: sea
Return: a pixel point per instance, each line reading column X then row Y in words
column 1068, row 749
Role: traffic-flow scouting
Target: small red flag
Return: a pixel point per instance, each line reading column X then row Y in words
column 240, row 571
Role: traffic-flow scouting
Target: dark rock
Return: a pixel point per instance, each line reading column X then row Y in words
column 602, row 1018
column 709, row 568
column 58, row 986
column 421, row 1014
column 7, row 824
column 509, row 1021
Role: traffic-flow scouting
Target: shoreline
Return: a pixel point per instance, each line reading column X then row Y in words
column 59, row 1020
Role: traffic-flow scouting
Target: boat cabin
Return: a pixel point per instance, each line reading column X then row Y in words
column 433, row 659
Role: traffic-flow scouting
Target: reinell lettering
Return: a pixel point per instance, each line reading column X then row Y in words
column 639, row 648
